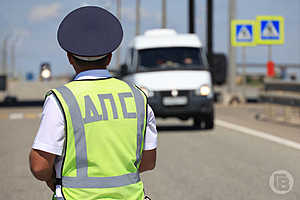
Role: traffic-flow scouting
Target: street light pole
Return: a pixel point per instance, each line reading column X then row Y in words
column 164, row 14
column 4, row 56
column 137, row 18
column 191, row 16
column 119, row 15
column 231, row 50
column 13, row 58
column 209, row 27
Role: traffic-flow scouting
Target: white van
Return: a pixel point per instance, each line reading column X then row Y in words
column 172, row 70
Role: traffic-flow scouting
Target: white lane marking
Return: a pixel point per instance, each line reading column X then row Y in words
column 260, row 134
column 16, row 116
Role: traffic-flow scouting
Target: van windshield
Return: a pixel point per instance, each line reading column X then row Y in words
column 170, row 58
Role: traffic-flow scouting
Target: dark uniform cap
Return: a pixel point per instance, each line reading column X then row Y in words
column 90, row 31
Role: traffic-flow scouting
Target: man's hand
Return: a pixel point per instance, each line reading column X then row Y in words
column 41, row 165
column 148, row 160
column 51, row 185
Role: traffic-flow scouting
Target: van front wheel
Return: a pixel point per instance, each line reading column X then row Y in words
column 197, row 122
column 209, row 121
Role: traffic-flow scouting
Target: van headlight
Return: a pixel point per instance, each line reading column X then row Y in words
column 204, row 90
column 148, row 92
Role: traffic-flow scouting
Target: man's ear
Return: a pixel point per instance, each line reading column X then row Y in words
column 109, row 59
column 70, row 58
column 73, row 62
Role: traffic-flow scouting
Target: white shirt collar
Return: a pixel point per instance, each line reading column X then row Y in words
column 93, row 74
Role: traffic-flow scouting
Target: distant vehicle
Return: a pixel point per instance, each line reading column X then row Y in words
column 14, row 90
column 45, row 72
column 172, row 70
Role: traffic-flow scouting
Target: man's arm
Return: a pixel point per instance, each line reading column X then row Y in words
column 149, row 153
column 148, row 160
column 48, row 143
column 41, row 166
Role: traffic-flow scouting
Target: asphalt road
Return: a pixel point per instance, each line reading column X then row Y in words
column 222, row 164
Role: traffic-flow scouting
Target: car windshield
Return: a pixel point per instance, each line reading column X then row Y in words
column 170, row 58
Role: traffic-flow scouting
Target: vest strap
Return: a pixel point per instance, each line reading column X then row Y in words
column 79, row 132
column 100, row 182
column 139, row 101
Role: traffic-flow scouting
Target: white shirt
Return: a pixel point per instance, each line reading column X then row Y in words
column 51, row 134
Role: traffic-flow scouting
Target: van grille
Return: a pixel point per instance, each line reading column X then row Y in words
column 180, row 93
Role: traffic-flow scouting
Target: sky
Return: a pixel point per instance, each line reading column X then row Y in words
column 32, row 25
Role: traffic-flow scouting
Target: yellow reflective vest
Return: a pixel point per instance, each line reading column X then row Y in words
column 105, row 122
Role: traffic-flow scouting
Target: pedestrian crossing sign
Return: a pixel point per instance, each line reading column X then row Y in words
column 242, row 33
column 270, row 30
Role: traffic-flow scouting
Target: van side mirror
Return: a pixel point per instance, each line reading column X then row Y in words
column 218, row 68
column 124, row 70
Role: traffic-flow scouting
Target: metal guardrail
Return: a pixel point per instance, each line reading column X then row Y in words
column 263, row 65
column 283, row 86
column 259, row 69
column 282, row 93
column 281, row 101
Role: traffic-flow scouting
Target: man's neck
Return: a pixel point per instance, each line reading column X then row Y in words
column 83, row 69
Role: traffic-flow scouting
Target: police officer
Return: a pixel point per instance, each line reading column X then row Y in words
column 97, row 133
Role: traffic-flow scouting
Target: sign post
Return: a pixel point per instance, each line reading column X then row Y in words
column 270, row 31
column 243, row 34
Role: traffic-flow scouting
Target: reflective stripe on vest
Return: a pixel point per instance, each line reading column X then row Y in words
column 82, row 180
